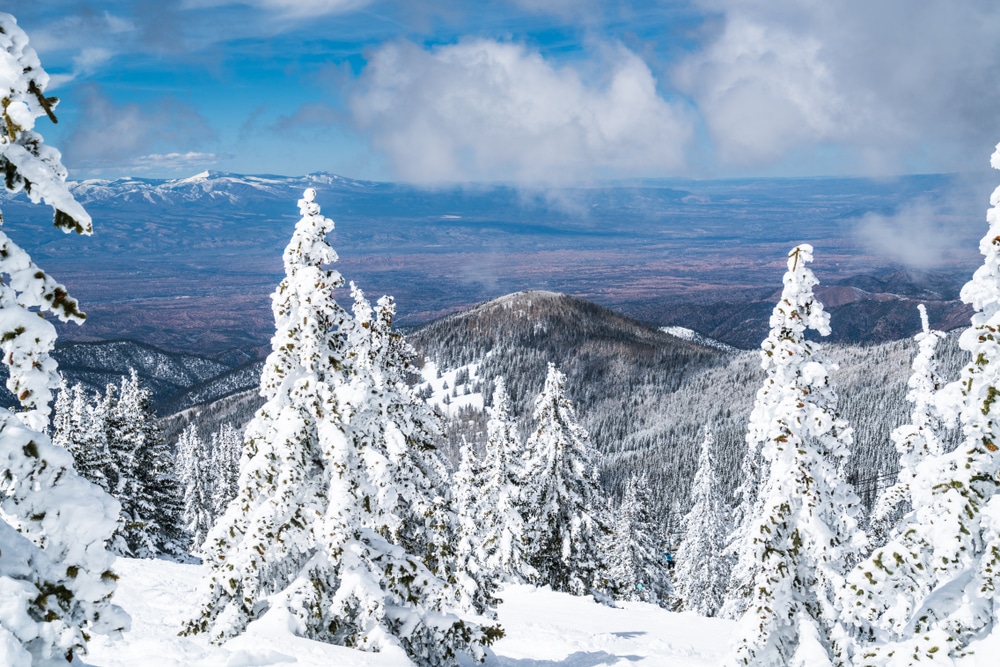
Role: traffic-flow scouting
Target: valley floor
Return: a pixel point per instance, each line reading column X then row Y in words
column 544, row 629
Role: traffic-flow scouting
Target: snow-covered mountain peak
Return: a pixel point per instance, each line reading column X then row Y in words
column 212, row 186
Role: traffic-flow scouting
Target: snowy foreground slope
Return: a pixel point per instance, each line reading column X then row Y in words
column 544, row 629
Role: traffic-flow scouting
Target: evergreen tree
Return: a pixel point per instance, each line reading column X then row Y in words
column 500, row 489
column 565, row 530
column 917, row 440
column 420, row 515
column 638, row 543
column 198, row 479
column 78, row 426
column 55, row 577
column 266, row 542
column 64, row 423
column 702, row 569
column 227, row 448
column 932, row 588
column 152, row 517
column 804, row 531
column 476, row 583
column 317, row 528
column 739, row 590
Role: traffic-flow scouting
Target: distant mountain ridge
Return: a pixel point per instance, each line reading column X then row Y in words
column 211, row 187
column 863, row 308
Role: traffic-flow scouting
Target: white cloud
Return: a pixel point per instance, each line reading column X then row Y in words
column 112, row 135
column 888, row 86
column 84, row 64
column 919, row 235
column 763, row 90
column 288, row 8
column 81, row 31
column 487, row 110
column 175, row 162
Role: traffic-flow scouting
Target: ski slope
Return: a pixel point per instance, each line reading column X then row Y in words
column 544, row 629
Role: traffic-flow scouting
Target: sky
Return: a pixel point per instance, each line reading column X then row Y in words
column 520, row 91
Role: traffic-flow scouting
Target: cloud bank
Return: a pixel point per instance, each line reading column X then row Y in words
column 888, row 86
column 486, row 110
column 116, row 134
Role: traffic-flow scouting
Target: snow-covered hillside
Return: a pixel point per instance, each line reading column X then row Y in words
column 544, row 629
column 690, row 334
column 450, row 391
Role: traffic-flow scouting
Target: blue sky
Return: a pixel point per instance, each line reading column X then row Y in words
column 555, row 92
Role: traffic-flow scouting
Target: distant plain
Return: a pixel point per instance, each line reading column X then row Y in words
column 189, row 265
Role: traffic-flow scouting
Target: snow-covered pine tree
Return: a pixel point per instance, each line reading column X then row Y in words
column 78, row 426
column 702, row 569
column 933, row 587
column 739, row 590
column 804, row 531
column 55, row 577
column 226, row 447
column 314, row 530
column 411, row 428
column 152, row 517
column 565, row 530
column 267, row 541
column 420, row 514
column 198, row 478
column 500, row 489
column 622, row 570
column 63, row 426
column 185, row 452
column 915, row 441
column 476, row 583
column 637, row 568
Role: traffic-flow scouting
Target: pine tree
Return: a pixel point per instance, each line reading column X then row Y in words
column 266, row 542
column 565, row 530
column 226, row 447
column 152, row 517
column 917, row 440
column 78, row 427
column 702, row 570
column 638, row 570
column 501, row 488
column 932, row 588
column 739, row 590
column 804, row 530
column 64, row 424
column 55, row 577
column 418, row 514
column 476, row 583
column 318, row 528
column 197, row 478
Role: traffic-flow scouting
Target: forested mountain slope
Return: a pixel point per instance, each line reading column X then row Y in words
column 643, row 395
column 97, row 364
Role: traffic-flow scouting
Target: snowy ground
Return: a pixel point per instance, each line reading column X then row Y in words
column 544, row 629
column 458, row 395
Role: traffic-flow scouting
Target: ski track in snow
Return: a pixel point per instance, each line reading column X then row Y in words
column 544, row 629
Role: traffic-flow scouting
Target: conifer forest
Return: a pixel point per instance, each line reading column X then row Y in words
column 801, row 474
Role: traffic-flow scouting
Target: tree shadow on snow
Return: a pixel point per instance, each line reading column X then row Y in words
column 578, row 659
